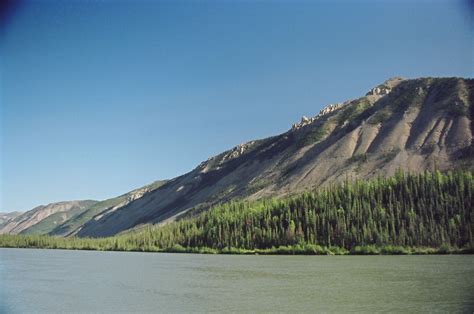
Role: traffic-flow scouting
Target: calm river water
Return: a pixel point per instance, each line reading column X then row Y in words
column 81, row 281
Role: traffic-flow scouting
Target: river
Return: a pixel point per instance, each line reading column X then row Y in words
column 62, row 281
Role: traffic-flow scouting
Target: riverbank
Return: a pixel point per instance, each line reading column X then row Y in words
column 112, row 244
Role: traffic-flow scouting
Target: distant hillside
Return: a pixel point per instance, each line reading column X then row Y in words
column 96, row 211
column 66, row 218
column 414, row 124
column 51, row 222
column 44, row 218
column 6, row 217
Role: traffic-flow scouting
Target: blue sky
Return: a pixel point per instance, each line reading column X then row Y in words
column 98, row 98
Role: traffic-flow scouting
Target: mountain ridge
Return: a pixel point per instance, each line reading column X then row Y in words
column 413, row 124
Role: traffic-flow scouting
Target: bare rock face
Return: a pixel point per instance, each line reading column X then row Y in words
column 410, row 124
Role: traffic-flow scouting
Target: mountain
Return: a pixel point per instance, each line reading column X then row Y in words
column 42, row 219
column 73, row 225
column 7, row 217
column 67, row 218
column 413, row 124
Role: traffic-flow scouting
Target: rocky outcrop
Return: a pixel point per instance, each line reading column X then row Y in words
column 303, row 122
column 385, row 88
column 215, row 163
column 330, row 108
column 379, row 91
column 326, row 110
column 237, row 151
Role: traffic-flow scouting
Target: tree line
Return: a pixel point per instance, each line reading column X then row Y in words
column 429, row 210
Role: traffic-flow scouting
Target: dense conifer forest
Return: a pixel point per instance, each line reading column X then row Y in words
column 429, row 212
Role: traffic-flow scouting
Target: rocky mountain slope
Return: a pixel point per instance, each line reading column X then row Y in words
column 67, row 218
column 411, row 124
column 73, row 225
column 44, row 218
column 7, row 217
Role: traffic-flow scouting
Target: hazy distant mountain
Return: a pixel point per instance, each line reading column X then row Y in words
column 66, row 218
column 44, row 218
column 97, row 210
column 6, row 217
column 413, row 124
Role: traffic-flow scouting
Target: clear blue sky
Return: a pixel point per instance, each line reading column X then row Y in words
column 98, row 98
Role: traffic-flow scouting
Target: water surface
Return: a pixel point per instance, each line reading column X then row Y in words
column 87, row 281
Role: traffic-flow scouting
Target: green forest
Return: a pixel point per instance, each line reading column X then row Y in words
column 431, row 212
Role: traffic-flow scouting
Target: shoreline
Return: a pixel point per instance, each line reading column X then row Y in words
column 285, row 250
